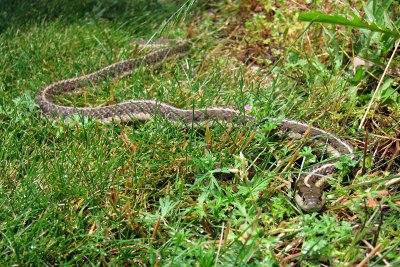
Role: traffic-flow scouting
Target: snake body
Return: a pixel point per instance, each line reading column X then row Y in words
column 309, row 186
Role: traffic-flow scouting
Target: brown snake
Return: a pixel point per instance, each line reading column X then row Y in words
column 309, row 186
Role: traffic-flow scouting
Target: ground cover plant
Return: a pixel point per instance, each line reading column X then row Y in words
column 157, row 194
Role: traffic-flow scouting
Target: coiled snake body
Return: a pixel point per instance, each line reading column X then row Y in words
column 310, row 185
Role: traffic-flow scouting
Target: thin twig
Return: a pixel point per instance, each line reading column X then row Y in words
column 153, row 236
column 376, row 235
column 371, row 218
column 290, row 257
column 221, row 238
column 378, row 87
column 369, row 256
column 364, row 152
column 392, row 181
column 377, row 253
column 227, row 230
column 395, row 154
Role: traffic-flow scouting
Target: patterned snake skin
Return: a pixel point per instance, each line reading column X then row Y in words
column 309, row 187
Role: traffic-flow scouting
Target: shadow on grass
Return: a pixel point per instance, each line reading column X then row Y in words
column 23, row 13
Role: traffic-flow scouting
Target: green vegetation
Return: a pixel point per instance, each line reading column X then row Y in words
column 155, row 194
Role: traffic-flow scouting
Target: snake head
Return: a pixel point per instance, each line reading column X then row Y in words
column 310, row 199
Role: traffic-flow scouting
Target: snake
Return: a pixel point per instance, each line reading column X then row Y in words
column 309, row 186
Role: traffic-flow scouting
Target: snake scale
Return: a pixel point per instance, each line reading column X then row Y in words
column 309, row 187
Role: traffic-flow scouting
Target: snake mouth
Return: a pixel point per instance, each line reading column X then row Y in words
column 310, row 203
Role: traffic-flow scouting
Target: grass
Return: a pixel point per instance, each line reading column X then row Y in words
column 156, row 194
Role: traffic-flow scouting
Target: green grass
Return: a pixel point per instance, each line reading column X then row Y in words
column 156, row 194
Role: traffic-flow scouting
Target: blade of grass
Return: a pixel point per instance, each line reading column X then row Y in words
column 316, row 16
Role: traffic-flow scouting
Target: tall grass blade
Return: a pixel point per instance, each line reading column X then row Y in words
column 356, row 22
